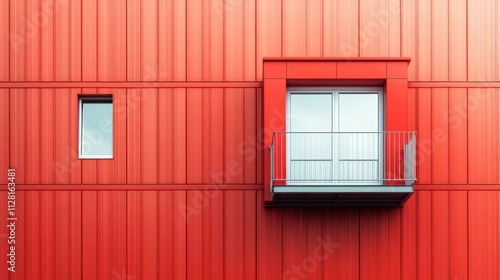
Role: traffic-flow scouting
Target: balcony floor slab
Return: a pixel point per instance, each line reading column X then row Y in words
column 341, row 195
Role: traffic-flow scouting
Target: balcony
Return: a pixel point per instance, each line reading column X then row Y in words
column 342, row 168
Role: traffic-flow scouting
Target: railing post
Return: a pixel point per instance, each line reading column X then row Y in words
column 271, row 183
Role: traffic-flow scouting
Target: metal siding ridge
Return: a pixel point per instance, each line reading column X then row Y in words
column 139, row 84
column 453, row 84
column 136, row 187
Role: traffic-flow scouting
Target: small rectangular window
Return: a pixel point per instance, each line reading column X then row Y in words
column 95, row 139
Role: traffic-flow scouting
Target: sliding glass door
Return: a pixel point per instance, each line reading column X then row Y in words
column 333, row 136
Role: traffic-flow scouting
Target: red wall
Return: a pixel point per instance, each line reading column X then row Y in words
column 183, row 196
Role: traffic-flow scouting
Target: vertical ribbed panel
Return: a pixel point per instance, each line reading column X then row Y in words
column 379, row 28
column 4, row 137
column 482, row 54
column 212, row 136
column 123, row 233
column 4, row 40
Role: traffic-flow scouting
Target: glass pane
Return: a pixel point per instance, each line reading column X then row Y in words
column 358, row 112
column 310, row 148
column 97, row 125
column 359, row 150
column 311, row 112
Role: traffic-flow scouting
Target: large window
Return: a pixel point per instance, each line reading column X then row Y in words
column 339, row 131
column 95, row 127
column 334, row 136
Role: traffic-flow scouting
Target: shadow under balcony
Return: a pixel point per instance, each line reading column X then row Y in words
column 342, row 168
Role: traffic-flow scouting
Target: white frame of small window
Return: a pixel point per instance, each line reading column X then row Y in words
column 105, row 99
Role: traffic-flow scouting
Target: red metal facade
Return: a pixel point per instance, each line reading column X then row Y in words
column 183, row 197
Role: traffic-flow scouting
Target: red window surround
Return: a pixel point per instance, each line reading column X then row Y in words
column 279, row 73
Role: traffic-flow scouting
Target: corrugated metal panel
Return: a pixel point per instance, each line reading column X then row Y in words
column 423, row 41
column 212, row 136
column 380, row 243
column 76, row 38
column 294, row 30
column 17, row 52
column 46, row 234
column 17, row 133
column 62, row 116
column 33, row 241
column 424, row 235
column 440, row 235
column 457, row 40
column 408, row 34
column 133, row 136
column 294, row 232
column 149, row 136
column 89, row 40
column 458, row 234
column 33, row 134
column 5, row 40
column 484, row 235
column 477, row 135
column 194, row 136
column 149, row 237
column 234, row 234
column 4, row 136
column 457, row 128
column 269, row 241
column 32, row 46
column 424, row 132
column 233, row 135
column 409, row 239
column 172, row 136
column 440, row 136
column 62, row 49
column 250, row 237
column 439, row 40
column 134, row 239
column 341, row 233
column 269, row 31
column 482, row 54
column 346, row 243
column 4, row 246
column 46, row 133
column 214, row 246
column 89, row 238
column 314, row 229
column 379, row 28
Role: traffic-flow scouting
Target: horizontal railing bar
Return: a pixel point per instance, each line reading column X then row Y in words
column 311, row 160
column 341, row 180
column 356, row 160
column 341, row 132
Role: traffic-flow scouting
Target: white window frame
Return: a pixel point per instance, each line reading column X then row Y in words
column 105, row 99
column 338, row 90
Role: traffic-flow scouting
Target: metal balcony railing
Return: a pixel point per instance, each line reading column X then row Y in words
column 343, row 158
